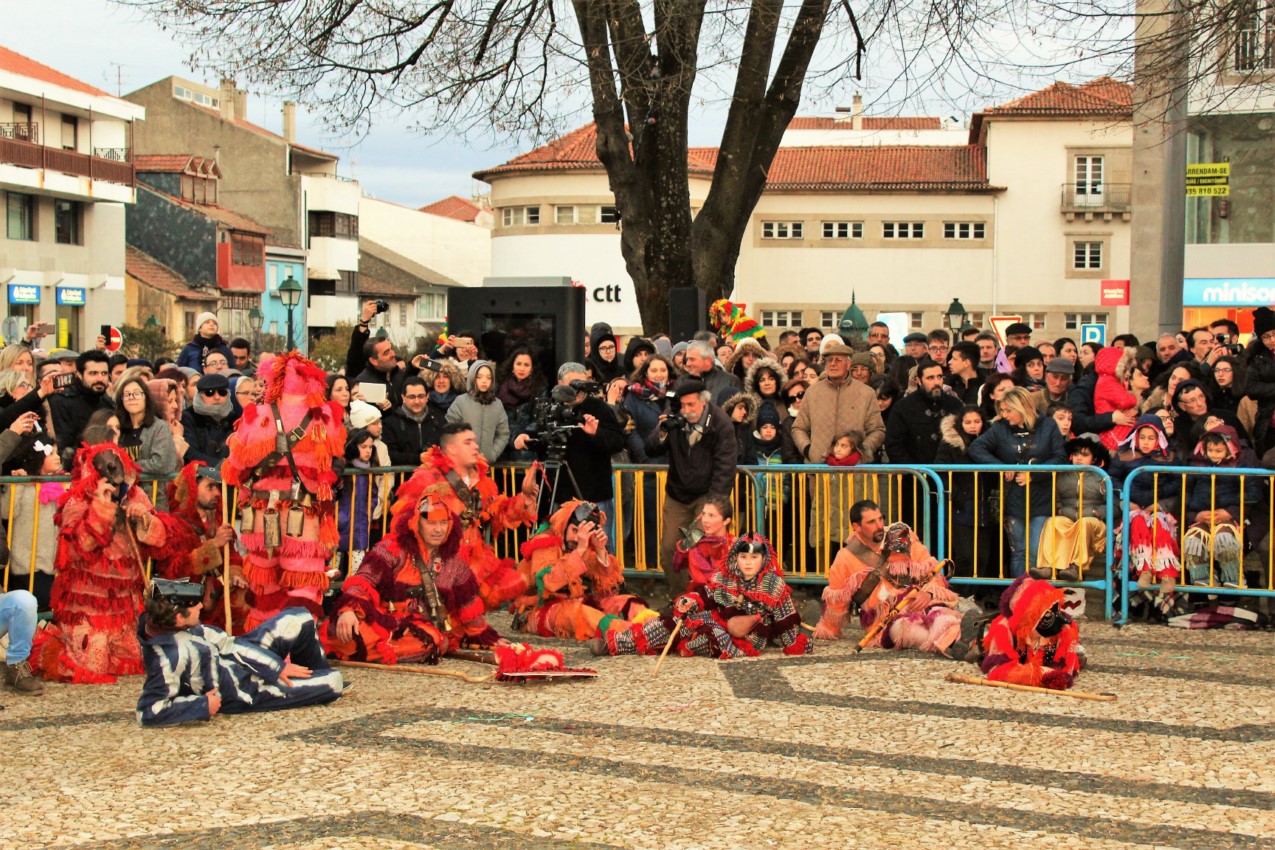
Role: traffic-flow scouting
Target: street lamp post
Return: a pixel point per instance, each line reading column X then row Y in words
column 956, row 314
column 254, row 322
column 290, row 295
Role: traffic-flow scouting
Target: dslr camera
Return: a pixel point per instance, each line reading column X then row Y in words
column 382, row 306
column 674, row 422
column 1224, row 341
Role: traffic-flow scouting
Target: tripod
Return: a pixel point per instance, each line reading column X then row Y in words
column 555, row 461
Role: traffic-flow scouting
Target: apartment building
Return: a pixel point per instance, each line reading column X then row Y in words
column 66, row 175
column 1026, row 212
column 294, row 191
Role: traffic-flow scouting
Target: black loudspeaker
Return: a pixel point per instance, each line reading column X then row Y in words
column 687, row 313
column 548, row 319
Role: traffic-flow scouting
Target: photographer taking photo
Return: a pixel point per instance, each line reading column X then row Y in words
column 589, row 445
column 700, row 443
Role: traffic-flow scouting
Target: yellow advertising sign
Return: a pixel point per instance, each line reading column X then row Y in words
column 1208, row 180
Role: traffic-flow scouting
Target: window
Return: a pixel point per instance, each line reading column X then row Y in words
column 974, row 319
column 1254, row 36
column 564, row 215
column 608, row 214
column 829, row 319
column 70, row 133
column 247, row 250
column 188, row 319
column 1036, row 320
column 1086, row 255
column 196, row 96
column 66, row 221
column 1073, row 321
column 519, row 216
column 781, row 230
column 903, row 230
column 20, row 216
column 916, row 320
column 1089, row 181
column 348, row 284
column 963, row 230
column 23, row 129
column 321, row 286
column 843, row 230
column 781, row 318
column 333, row 225
column 402, row 313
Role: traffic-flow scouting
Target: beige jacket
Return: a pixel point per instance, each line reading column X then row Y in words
column 828, row 411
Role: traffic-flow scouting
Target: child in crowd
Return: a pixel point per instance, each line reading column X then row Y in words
column 1153, row 532
column 742, row 410
column 703, row 552
column 1211, row 548
column 1114, row 365
column 845, row 449
column 1073, row 543
column 1062, row 416
column 368, row 417
column 358, row 499
column 767, row 440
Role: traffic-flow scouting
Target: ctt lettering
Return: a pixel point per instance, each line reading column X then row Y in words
column 606, row 294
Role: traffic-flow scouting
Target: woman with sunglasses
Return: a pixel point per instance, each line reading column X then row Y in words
column 144, row 432
column 209, row 421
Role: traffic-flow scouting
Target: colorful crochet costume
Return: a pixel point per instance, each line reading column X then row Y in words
column 572, row 594
column 1032, row 642
column 498, row 580
column 190, row 551
column 97, row 595
column 732, row 323
column 405, row 615
column 729, row 594
column 288, row 517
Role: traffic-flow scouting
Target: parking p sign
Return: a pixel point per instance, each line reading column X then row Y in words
column 1093, row 333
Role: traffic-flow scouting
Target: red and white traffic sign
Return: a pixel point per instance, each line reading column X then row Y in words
column 115, row 341
column 1000, row 323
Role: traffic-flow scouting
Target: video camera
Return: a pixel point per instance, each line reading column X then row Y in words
column 556, row 417
column 181, row 594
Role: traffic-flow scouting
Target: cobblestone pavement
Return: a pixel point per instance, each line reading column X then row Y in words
column 834, row 750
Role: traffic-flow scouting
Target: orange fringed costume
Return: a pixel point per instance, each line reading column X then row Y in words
column 301, row 510
column 1033, row 641
column 498, row 580
column 190, row 551
column 97, row 594
column 571, row 594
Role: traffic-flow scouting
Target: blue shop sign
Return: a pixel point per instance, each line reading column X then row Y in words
column 69, row 296
column 23, row 293
column 1228, row 291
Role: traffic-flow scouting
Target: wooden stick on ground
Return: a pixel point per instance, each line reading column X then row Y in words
column 974, row 680
column 225, row 562
column 677, row 627
column 425, row 671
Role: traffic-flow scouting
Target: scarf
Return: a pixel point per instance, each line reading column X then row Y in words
column 215, row 411
column 648, row 390
column 51, row 491
column 418, row 418
column 443, row 400
column 513, row 392
column 850, row 460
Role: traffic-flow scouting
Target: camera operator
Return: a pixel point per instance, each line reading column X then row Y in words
column 372, row 360
column 589, row 446
column 700, row 443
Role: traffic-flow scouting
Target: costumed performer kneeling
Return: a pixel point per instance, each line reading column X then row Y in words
column 1033, row 641
column 194, row 671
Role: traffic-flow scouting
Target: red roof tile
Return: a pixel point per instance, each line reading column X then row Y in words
column 454, row 207
column 1103, row 96
column 177, row 163
column 898, row 122
column 152, row 272
column 843, row 167
column 16, row 63
column 231, row 219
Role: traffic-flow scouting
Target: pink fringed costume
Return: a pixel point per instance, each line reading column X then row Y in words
column 97, row 594
column 288, row 517
column 1032, row 642
column 928, row 622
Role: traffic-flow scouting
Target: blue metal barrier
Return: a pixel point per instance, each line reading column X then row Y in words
column 1264, row 478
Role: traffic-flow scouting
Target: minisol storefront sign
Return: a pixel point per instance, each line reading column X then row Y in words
column 1228, row 292
column 22, row 293
column 70, row 296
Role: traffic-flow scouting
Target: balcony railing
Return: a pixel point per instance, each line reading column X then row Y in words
column 1102, row 198
column 111, row 165
column 22, row 131
column 1253, row 49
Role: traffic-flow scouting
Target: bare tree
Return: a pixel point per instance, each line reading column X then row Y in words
column 523, row 66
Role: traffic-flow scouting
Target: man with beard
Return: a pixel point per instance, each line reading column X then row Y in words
column 72, row 407
column 912, row 434
column 208, row 422
column 861, row 552
column 408, row 429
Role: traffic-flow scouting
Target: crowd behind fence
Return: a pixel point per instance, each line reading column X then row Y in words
column 960, row 512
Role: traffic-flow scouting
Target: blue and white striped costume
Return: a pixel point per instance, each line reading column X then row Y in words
column 183, row 666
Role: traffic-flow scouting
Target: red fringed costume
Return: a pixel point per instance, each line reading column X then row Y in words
column 191, row 553
column 702, row 560
column 1033, row 641
column 498, row 580
column 397, row 616
column 288, row 525
column 571, row 594
column 97, row 594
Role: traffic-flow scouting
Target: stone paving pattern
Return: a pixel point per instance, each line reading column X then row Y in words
column 834, row 750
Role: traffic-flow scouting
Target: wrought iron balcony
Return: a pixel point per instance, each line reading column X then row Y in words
column 1095, row 199
column 22, row 131
column 21, row 147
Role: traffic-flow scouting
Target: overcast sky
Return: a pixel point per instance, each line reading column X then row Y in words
column 117, row 49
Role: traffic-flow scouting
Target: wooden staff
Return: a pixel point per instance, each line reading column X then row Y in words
column 974, row 680
column 225, row 562
column 424, row 671
column 677, row 627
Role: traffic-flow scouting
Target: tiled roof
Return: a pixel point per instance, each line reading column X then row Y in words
column 1103, row 96
column 843, row 167
column 177, row 163
column 1112, row 90
column 899, row 122
column 376, row 286
column 454, row 207
column 262, row 131
column 152, row 272
column 231, row 219
column 16, row 63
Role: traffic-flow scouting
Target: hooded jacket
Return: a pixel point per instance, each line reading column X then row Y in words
column 744, row 430
column 1220, row 492
column 484, row 413
column 750, row 385
column 636, row 345
column 195, row 352
column 1144, row 490
column 1110, row 395
column 953, row 448
column 603, row 372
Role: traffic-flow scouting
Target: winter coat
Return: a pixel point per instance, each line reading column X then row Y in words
column 1144, row 490
column 206, row 437
column 406, row 438
column 156, row 454
column 1075, row 490
column 704, row 468
column 912, row 437
column 1259, row 385
column 71, row 410
column 720, row 384
column 1081, row 401
column 1003, row 444
column 953, row 448
column 787, row 445
column 195, row 352
column 356, row 503
column 750, row 386
column 589, row 457
column 490, row 424
column 636, row 346
column 747, row 451
column 23, row 525
column 1221, row 492
column 645, row 413
column 603, row 371
column 830, row 410
column 1110, row 395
